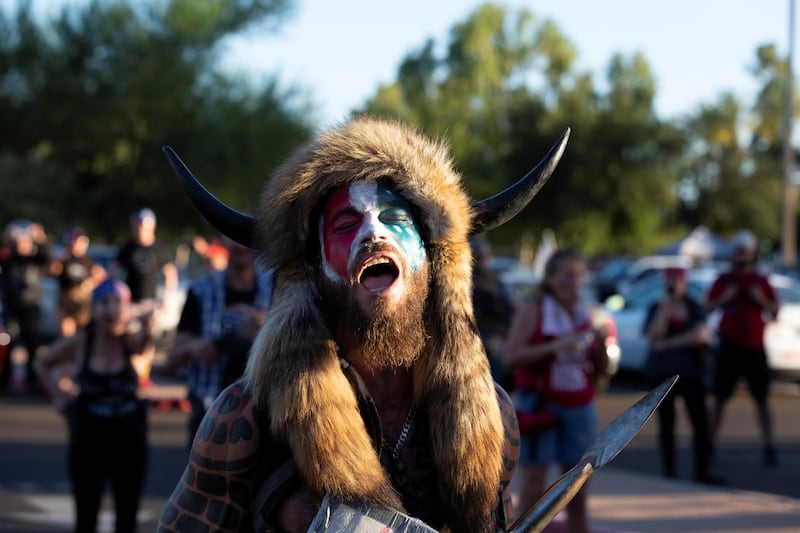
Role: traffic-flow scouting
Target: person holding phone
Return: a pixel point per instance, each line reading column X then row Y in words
column 679, row 336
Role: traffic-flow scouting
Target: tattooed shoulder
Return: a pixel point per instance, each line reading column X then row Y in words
column 214, row 492
column 510, row 424
column 229, row 431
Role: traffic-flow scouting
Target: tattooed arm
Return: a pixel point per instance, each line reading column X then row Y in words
column 510, row 448
column 214, row 493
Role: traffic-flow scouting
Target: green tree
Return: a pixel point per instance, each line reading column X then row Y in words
column 98, row 89
column 505, row 89
column 465, row 95
column 733, row 177
column 766, row 146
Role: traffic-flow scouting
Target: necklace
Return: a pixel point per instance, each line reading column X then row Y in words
column 401, row 440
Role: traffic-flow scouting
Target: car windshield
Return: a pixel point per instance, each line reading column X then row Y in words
column 647, row 292
column 615, row 268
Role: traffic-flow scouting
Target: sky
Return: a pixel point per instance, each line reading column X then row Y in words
column 341, row 50
column 338, row 51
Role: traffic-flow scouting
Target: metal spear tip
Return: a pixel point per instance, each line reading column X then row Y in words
column 605, row 447
column 613, row 439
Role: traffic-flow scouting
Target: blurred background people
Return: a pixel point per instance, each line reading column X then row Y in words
column 747, row 302
column 107, row 420
column 141, row 262
column 214, row 253
column 222, row 314
column 678, row 340
column 77, row 277
column 492, row 306
column 550, row 346
column 24, row 258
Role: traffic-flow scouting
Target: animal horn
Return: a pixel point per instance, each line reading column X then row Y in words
column 502, row 207
column 234, row 224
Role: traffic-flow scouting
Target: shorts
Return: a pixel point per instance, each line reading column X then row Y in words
column 564, row 444
column 733, row 362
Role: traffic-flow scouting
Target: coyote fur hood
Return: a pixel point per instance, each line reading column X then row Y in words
column 294, row 369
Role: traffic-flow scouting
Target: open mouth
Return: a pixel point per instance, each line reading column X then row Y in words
column 378, row 273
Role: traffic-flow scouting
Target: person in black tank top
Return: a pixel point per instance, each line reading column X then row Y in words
column 107, row 420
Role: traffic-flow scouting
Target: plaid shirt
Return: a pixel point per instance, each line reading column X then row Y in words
column 204, row 380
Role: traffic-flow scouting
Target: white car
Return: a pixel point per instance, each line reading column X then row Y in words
column 650, row 267
column 781, row 338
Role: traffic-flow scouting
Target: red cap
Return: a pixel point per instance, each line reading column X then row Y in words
column 675, row 272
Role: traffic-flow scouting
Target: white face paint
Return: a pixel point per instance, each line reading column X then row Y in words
column 366, row 212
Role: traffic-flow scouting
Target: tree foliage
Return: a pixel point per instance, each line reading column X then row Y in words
column 733, row 175
column 90, row 96
column 94, row 93
column 505, row 90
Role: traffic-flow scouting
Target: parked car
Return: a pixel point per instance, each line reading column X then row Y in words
column 781, row 338
column 650, row 267
column 606, row 279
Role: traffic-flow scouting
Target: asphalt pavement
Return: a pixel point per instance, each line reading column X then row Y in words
column 628, row 496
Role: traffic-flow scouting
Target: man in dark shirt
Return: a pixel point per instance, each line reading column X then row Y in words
column 221, row 316
column 142, row 260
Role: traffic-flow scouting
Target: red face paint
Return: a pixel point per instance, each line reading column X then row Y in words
column 340, row 225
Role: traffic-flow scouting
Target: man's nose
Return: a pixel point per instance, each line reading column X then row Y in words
column 373, row 230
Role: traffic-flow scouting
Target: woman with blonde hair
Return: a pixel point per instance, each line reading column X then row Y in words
column 550, row 350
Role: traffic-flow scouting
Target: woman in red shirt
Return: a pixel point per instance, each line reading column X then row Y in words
column 549, row 348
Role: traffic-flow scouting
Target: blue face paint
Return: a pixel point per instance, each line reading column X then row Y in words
column 395, row 213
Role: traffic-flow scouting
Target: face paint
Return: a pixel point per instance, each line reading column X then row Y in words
column 362, row 212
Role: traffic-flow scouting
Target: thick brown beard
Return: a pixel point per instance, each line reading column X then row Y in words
column 383, row 338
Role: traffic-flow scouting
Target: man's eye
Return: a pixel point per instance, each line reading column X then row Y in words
column 344, row 222
column 395, row 215
column 342, row 226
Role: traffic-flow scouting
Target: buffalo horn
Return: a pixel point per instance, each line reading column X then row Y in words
column 502, row 207
column 234, row 224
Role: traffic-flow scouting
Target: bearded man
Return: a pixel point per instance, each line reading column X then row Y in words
column 368, row 388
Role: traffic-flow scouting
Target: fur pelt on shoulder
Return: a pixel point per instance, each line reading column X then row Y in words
column 294, row 368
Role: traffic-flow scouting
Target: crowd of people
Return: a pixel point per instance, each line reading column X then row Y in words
column 96, row 363
column 28, row 256
column 327, row 375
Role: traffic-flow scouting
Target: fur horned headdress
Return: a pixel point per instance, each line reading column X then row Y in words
column 294, row 368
